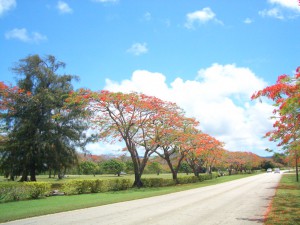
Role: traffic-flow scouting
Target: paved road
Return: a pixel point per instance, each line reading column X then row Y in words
column 239, row 202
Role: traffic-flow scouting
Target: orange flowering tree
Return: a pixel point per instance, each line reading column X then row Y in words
column 130, row 118
column 207, row 151
column 176, row 140
column 285, row 94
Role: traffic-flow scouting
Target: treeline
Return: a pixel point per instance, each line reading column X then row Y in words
column 122, row 165
column 44, row 123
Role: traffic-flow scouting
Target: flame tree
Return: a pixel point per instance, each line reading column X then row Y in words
column 285, row 94
column 129, row 118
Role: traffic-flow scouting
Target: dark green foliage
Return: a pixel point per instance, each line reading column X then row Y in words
column 88, row 167
column 42, row 131
column 185, row 168
column 113, row 166
column 266, row 164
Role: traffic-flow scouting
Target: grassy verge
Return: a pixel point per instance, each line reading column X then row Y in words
column 285, row 208
column 23, row 209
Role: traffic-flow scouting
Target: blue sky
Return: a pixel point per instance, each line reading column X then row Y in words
column 207, row 56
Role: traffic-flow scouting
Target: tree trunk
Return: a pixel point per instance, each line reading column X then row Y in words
column 32, row 173
column 173, row 171
column 196, row 172
column 137, row 181
column 137, row 175
column 24, row 176
column 174, row 176
column 11, row 177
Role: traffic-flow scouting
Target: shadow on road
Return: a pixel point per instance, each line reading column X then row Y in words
column 258, row 220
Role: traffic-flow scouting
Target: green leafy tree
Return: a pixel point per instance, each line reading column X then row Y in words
column 155, row 167
column 185, row 168
column 113, row 166
column 88, row 167
column 42, row 130
column 279, row 158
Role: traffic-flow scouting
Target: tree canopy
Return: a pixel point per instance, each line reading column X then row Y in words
column 42, row 133
column 285, row 94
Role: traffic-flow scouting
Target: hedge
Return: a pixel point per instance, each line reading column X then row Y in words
column 13, row 191
column 162, row 182
column 75, row 187
column 21, row 191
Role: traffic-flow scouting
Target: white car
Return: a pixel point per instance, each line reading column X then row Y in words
column 269, row 170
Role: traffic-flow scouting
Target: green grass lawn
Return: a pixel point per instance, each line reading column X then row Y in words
column 285, row 208
column 29, row 208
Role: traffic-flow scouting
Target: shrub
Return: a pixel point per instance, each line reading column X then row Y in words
column 75, row 187
column 12, row 192
column 188, row 180
column 37, row 189
column 119, row 184
column 98, row 186
column 20, row 191
column 157, row 182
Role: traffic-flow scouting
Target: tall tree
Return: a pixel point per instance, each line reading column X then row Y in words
column 124, row 117
column 42, row 132
column 285, row 94
column 207, row 151
column 176, row 140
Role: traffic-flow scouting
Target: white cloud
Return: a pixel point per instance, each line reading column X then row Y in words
column 283, row 9
column 289, row 4
column 23, row 35
column 219, row 98
column 105, row 148
column 274, row 12
column 63, row 7
column 6, row 5
column 248, row 21
column 138, row 49
column 200, row 17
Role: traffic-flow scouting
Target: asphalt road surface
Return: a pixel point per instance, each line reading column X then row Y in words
column 241, row 202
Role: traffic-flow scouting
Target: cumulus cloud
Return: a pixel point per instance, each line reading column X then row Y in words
column 200, row 17
column 63, row 7
column 219, row 98
column 282, row 9
column 274, row 12
column 6, row 5
column 23, row 35
column 289, row 4
column 138, row 49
